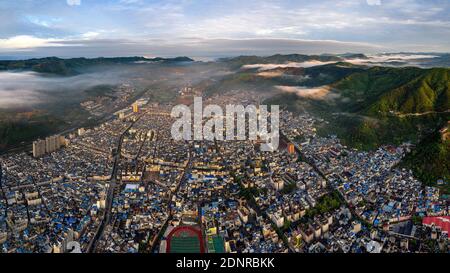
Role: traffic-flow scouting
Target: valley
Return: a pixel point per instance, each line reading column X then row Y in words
column 366, row 106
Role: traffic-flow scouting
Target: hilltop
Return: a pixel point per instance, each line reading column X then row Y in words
column 383, row 91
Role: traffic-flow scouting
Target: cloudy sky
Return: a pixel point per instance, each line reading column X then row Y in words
column 200, row 28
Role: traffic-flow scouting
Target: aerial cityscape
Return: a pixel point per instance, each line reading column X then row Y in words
column 349, row 153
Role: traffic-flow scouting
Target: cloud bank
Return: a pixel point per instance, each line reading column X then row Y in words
column 192, row 47
column 318, row 93
column 396, row 60
column 263, row 67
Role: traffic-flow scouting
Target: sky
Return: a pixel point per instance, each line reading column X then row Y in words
column 211, row 29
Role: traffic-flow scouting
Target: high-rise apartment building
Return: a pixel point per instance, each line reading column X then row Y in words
column 39, row 148
column 49, row 145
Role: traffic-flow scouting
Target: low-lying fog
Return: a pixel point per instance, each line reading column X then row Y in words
column 394, row 60
column 263, row 67
column 317, row 93
column 29, row 89
column 24, row 89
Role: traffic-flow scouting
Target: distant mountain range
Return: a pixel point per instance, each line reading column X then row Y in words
column 375, row 91
column 367, row 106
column 237, row 62
column 66, row 67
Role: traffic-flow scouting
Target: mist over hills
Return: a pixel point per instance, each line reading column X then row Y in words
column 66, row 67
column 237, row 62
column 366, row 105
column 367, row 100
column 43, row 96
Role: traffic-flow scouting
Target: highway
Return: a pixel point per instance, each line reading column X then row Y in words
column 184, row 177
column 110, row 195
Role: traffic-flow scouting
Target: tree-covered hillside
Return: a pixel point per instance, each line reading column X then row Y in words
column 430, row 161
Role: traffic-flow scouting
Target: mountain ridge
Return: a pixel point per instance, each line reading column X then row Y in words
column 67, row 67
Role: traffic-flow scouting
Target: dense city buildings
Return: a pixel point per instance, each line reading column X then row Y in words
column 49, row 145
column 214, row 136
column 127, row 186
